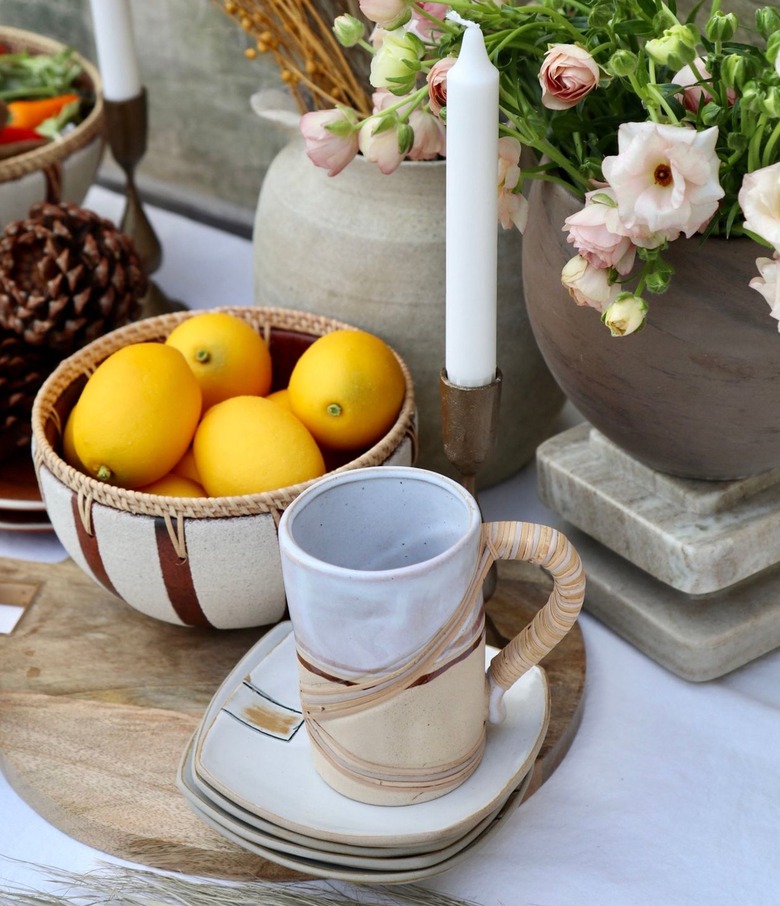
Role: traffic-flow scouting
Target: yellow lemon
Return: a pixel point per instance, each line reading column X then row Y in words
column 186, row 467
column 136, row 415
column 347, row 388
column 173, row 485
column 226, row 355
column 249, row 444
column 280, row 396
column 68, row 449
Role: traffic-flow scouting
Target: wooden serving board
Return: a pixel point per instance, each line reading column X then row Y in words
column 97, row 703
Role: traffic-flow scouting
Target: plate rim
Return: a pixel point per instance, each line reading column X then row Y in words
column 457, row 826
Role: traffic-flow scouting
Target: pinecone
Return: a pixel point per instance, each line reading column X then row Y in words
column 67, row 276
column 23, row 369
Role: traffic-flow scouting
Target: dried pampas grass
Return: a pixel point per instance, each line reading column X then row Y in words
column 118, row 886
column 316, row 69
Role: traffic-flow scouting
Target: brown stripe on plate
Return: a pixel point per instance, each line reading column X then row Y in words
column 89, row 548
column 178, row 579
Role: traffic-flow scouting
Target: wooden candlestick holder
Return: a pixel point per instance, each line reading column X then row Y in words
column 469, row 421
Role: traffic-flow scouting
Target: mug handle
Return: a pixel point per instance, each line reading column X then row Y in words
column 553, row 552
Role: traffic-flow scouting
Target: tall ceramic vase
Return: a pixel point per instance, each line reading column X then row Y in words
column 696, row 393
column 369, row 249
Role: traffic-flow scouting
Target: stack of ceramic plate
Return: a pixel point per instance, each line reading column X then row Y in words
column 247, row 772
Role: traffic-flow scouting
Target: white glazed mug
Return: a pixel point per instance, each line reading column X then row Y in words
column 383, row 570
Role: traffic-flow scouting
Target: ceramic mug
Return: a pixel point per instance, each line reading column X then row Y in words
column 383, row 569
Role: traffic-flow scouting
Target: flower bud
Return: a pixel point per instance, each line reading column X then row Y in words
column 753, row 97
column 622, row 63
column 348, row 30
column 767, row 21
column 736, row 141
column 773, row 50
column 675, row 48
column 735, row 70
column 625, row 315
column 388, row 14
column 600, row 16
column 405, row 138
column 396, row 64
column 772, row 101
column 721, row 26
column 660, row 276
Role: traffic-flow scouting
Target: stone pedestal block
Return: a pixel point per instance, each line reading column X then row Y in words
column 688, row 571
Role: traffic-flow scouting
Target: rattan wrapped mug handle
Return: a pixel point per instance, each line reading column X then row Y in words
column 554, row 553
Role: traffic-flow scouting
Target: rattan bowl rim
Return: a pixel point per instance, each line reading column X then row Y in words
column 92, row 125
column 86, row 359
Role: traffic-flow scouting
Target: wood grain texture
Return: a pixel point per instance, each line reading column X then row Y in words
column 97, row 703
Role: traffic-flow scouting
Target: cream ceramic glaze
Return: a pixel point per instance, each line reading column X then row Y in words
column 383, row 571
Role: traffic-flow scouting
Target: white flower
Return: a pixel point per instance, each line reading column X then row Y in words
column 589, row 285
column 665, row 178
column 598, row 234
column 759, row 199
column 380, row 145
column 768, row 284
column 625, row 315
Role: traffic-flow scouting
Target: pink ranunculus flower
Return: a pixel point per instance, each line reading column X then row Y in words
column 665, row 178
column 690, row 78
column 589, row 285
column 430, row 139
column 380, row 148
column 768, row 284
column 512, row 206
column 437, row 83
column 598, row 234
column 331, row 150
column 567, row 74
column 383, row 12
column 759, row 198
column 425, row 27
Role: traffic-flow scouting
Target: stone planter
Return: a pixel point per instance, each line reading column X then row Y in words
column 697, row 392
column 369, row 249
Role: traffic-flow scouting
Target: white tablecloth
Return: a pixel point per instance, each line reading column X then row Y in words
column 670, row 793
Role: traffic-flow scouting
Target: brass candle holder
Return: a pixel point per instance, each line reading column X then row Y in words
column 127, row 129
column 469, row 421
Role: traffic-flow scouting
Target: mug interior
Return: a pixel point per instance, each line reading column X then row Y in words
column 381, row 520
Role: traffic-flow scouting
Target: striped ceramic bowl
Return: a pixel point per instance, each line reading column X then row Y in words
column 191, row 561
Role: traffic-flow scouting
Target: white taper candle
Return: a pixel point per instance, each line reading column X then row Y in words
column 472, row 214
column 116, row 50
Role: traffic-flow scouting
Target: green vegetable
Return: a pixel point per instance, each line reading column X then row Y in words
column 27, row 76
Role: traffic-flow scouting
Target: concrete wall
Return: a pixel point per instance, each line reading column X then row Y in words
column 207, row 151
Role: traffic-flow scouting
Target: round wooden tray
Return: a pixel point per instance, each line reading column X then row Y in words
column 97, row 704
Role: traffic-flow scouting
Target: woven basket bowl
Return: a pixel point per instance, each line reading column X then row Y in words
column 190, row 561
column 59, row 171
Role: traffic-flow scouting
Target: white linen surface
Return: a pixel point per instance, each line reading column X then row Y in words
column 670, row 793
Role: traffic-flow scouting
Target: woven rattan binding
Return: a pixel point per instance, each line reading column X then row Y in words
column 48, row 419
column 94, row 124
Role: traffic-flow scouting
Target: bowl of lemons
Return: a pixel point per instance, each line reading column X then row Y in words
column 167, row 450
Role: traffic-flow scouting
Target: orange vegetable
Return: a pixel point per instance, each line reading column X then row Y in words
column 29, row 114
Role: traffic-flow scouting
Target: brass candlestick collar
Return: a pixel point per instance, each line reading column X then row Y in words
column 469, row 418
